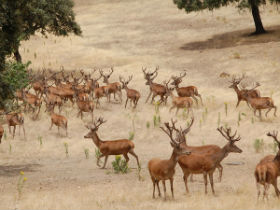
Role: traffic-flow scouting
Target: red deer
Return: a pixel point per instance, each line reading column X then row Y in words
column 59, row 121
column 131, row 94
column 261, row 103
column 115, row 147
column 1, row 132
column 99, row 93
column 32, row 102
column 155, row 88
column 14, row 119
column 207, row 163
column 241, row 93
column 179, row 102
column 189, row 91
column 111, row 87
column 268, row 169
column 162, row 170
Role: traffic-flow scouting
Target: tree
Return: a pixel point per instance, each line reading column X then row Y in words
column 19, row 19
column 253, row 5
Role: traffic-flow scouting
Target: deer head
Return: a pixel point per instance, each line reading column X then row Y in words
column 230, row 146
column 274, row 136
column 178, row 80
column 106, row 76
column 176, row 143
column 94, row 127
column 235, row 81
column 150, row 75
column 125, row 82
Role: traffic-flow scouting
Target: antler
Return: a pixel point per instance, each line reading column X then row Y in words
column 129, row 78
column 112, row 70
column 274, row 136
column 121, row 79
column 98, row 122
column 226, row 133
column 185, row 131
column 169, row 130
column 257, row 84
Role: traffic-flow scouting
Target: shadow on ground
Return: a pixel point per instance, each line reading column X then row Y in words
column 235, row 38
column 14, row 170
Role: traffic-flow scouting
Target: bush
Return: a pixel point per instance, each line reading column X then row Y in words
column 119, row 165
column 259, row 145
column 14, row 77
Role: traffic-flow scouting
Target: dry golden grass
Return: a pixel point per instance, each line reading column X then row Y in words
column 128, row 35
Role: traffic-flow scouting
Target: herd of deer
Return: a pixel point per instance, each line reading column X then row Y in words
column 57, row 88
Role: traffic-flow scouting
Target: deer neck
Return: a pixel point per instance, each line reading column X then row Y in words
column 173, row 160
column 236, row 89
column 96, row 140
column 219, row 156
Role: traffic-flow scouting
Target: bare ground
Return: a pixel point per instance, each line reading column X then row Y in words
column 128, row 35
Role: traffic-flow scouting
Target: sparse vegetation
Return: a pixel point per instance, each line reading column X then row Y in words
column 66, row 149
column 259, row 145
column 20, row 184
column 120, row 165
column 86, row 151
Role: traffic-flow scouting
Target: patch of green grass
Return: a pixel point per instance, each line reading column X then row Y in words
column 40, row 140
column 131, row 135
column 66, row 149
column 148, row 124
column 236, row 55
column 120, row 165
column 86, row 151
column 259, row 145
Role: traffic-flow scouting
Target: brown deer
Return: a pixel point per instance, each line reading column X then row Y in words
column 85, row 106
column 14, row 119
column 268, row 169
column 131, row 94
column 1, row 132
column 115, row 147
column 99, row 93
column 110, row 88
column 261, row 103
column 32, row 102
column 161, row 170
column 58, row 120
column 242, row 93
column 179, row 102
column 207, row 163
column 189, row 91
column 155, row 88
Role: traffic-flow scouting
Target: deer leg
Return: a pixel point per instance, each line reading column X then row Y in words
column 51, row 125
column 106, row 158
column 185, row 177
column 275, row 108
column 220, row 168
column 9, row 129
column 14, row 132
column 133, row 154
column 98, row 159
column 120, row 95
column 126, row 102
column 200, row 98
column 153, row 97
column 276, row 188
column 260, row 114
column 154, row 187
column 126, row 157
column 267, row 112
column 171, row 186
column 196, row 101
column 266, row 187
column 164, row 189
column 148, row 96
column 205, row 181
column 159, row 194
column 81, row 114
column 191, row 178
column 211, row 182
column 238, row 103
column 23, row 130
column 258, row 190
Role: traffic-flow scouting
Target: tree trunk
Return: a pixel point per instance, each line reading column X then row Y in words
column 257, row 17
column 17, row 56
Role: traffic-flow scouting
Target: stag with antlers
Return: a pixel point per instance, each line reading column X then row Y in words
column 131, row 94
column 268, row 169
column 162, row 170
column 243, row 94
column 189, row 91
column 14, row 119
column 155, row 88
column 207, row 163
column 110, row 88
column 110, row 147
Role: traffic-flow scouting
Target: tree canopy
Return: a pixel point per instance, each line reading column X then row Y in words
column 253, row 5
column 19, row 19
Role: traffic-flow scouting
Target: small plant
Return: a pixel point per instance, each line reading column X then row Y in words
column 155, row 120
column 259, row 145
column 206, row 111
column 40, row 139
column 131, row 135
column 226, row 108
column 236, row 55
column 66, row 149
column 148, row 124
column 239, row 119
column 156, row 104
column 5, row 135
column 20, row 183
column 219, row 119
column 119, row 165
column 97, row 153
column 86, row 150
column 35, row 55
column 10, row 148
column 200, row 123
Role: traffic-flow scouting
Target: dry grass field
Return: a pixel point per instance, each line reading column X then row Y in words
column 130, row 35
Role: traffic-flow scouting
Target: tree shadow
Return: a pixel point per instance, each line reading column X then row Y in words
column 14, row 170
column 235, row 38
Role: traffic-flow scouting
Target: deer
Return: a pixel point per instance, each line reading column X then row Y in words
column 32, row 102
column 111, row 87
column 268, row 169
column 85, row 106
column 155, row 88
column 131, row 94
column 14, row 119
column 242, row 94
column 207, row 163
column 260, row 103
column 1, row 132
column 179, row 102
column 162, row 170
column 58, row 120
column 189, row 91
column 110, row 147
column 99, row 93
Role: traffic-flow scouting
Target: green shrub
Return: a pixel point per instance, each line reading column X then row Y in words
column 86, row 150
column 131, row 135
column 119, row 165
column 259, row 145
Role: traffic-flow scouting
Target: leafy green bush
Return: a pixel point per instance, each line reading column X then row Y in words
column 14, row 77
column 119, row 165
